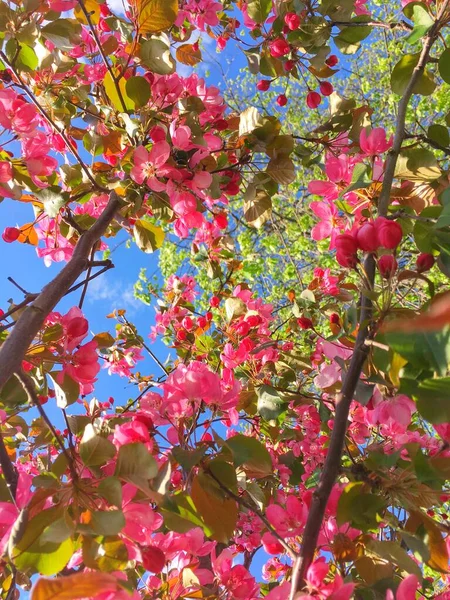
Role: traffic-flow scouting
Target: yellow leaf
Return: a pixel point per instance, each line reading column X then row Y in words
column 219, row 514
column 92, row 7
column 28, row 235
column 188, row 54
column 81, row 585
column 120, row 101
column 148, row 237
column 153, row 16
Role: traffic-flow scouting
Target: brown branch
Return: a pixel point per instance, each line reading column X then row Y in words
column 344, row 398
column 31, row 320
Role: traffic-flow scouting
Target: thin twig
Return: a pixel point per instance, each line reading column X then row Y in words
column 30, row 390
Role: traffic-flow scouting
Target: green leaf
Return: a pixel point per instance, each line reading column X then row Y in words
column 439, row 134
column 107, row 522
column 95, row 449
column 250, row 454
column 155, row 15
column 402, row 73
column 155, row 54
column 42, row 556
column 269, row 405
column 138, row 90
column 219, row 514
column 393, row 553
column 27, row 59
column 358, row 508
column 120, row 101
column 135, row 459
column 111, row 489
column 53, row 200
column 423, row 350
column 181, row 515
column 188, row 459
column 259, row 10
column 444, row 65
column 417, row 164
column 63, row 33
column 422, row 23
column 433, row 399
column 234, row 307
column 113, row 555
column 148, row 237
column 66, row 392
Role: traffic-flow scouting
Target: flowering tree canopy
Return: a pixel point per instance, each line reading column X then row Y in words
column 296, row 443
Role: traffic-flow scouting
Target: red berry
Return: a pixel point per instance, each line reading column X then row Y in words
column 326, row 89
column 10, row 234
column 313, row 99
column 282, row 100
column 263, row 85
column 424, row 262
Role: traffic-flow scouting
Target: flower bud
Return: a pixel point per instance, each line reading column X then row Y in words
column 292, row 20
column 282, row 100
column 424, row 262
column 279, row 47
column 313, row 99
column 305, row 323
column 367, row 238
column 332, row 60
column 10, row 234
column 153, row 559
column 263, row 85
column 387, row 265
column 389, row 233
column 326, row 89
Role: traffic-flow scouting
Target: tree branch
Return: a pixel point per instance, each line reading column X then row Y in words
column 344, row 398
column 31, row 320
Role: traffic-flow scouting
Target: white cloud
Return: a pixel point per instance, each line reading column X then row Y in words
column 114, row 294
column 117, row 6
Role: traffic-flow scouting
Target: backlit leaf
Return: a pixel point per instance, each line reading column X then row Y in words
column 219, row 514
column 188, row 54
column 71, row 587
column 153, row 16
column 148, row 237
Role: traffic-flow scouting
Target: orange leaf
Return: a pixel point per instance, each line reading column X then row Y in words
column 153, row 16
column 188, row 54
column 81, row 585
column 435, row 319
column 28, row 235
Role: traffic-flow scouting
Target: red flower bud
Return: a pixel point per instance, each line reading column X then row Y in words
column 387, row 265
column 326, row 89
column 289, row 65
column 305, row 323
column 282, row 100
column 10, row 234
column 367, row 238
column 424, row 262
column 389, row 233
column 346, row 244
column 214, row 302
column 313, row 99
column 334, row 318
column 292, row 20
column 332, row 60
column 279, row 47
column 263, row 85
column 153, row 559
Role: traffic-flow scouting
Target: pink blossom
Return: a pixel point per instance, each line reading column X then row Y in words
column 329, row 226
column 406, row 590
column 375, row 142
column 148, row 166
column 397, row 410
column 5, row 171
column 288, row 521
column 15, row 113
column 10, row 512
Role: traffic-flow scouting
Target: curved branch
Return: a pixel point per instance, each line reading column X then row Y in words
column 31, row 320
column 344, row 398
